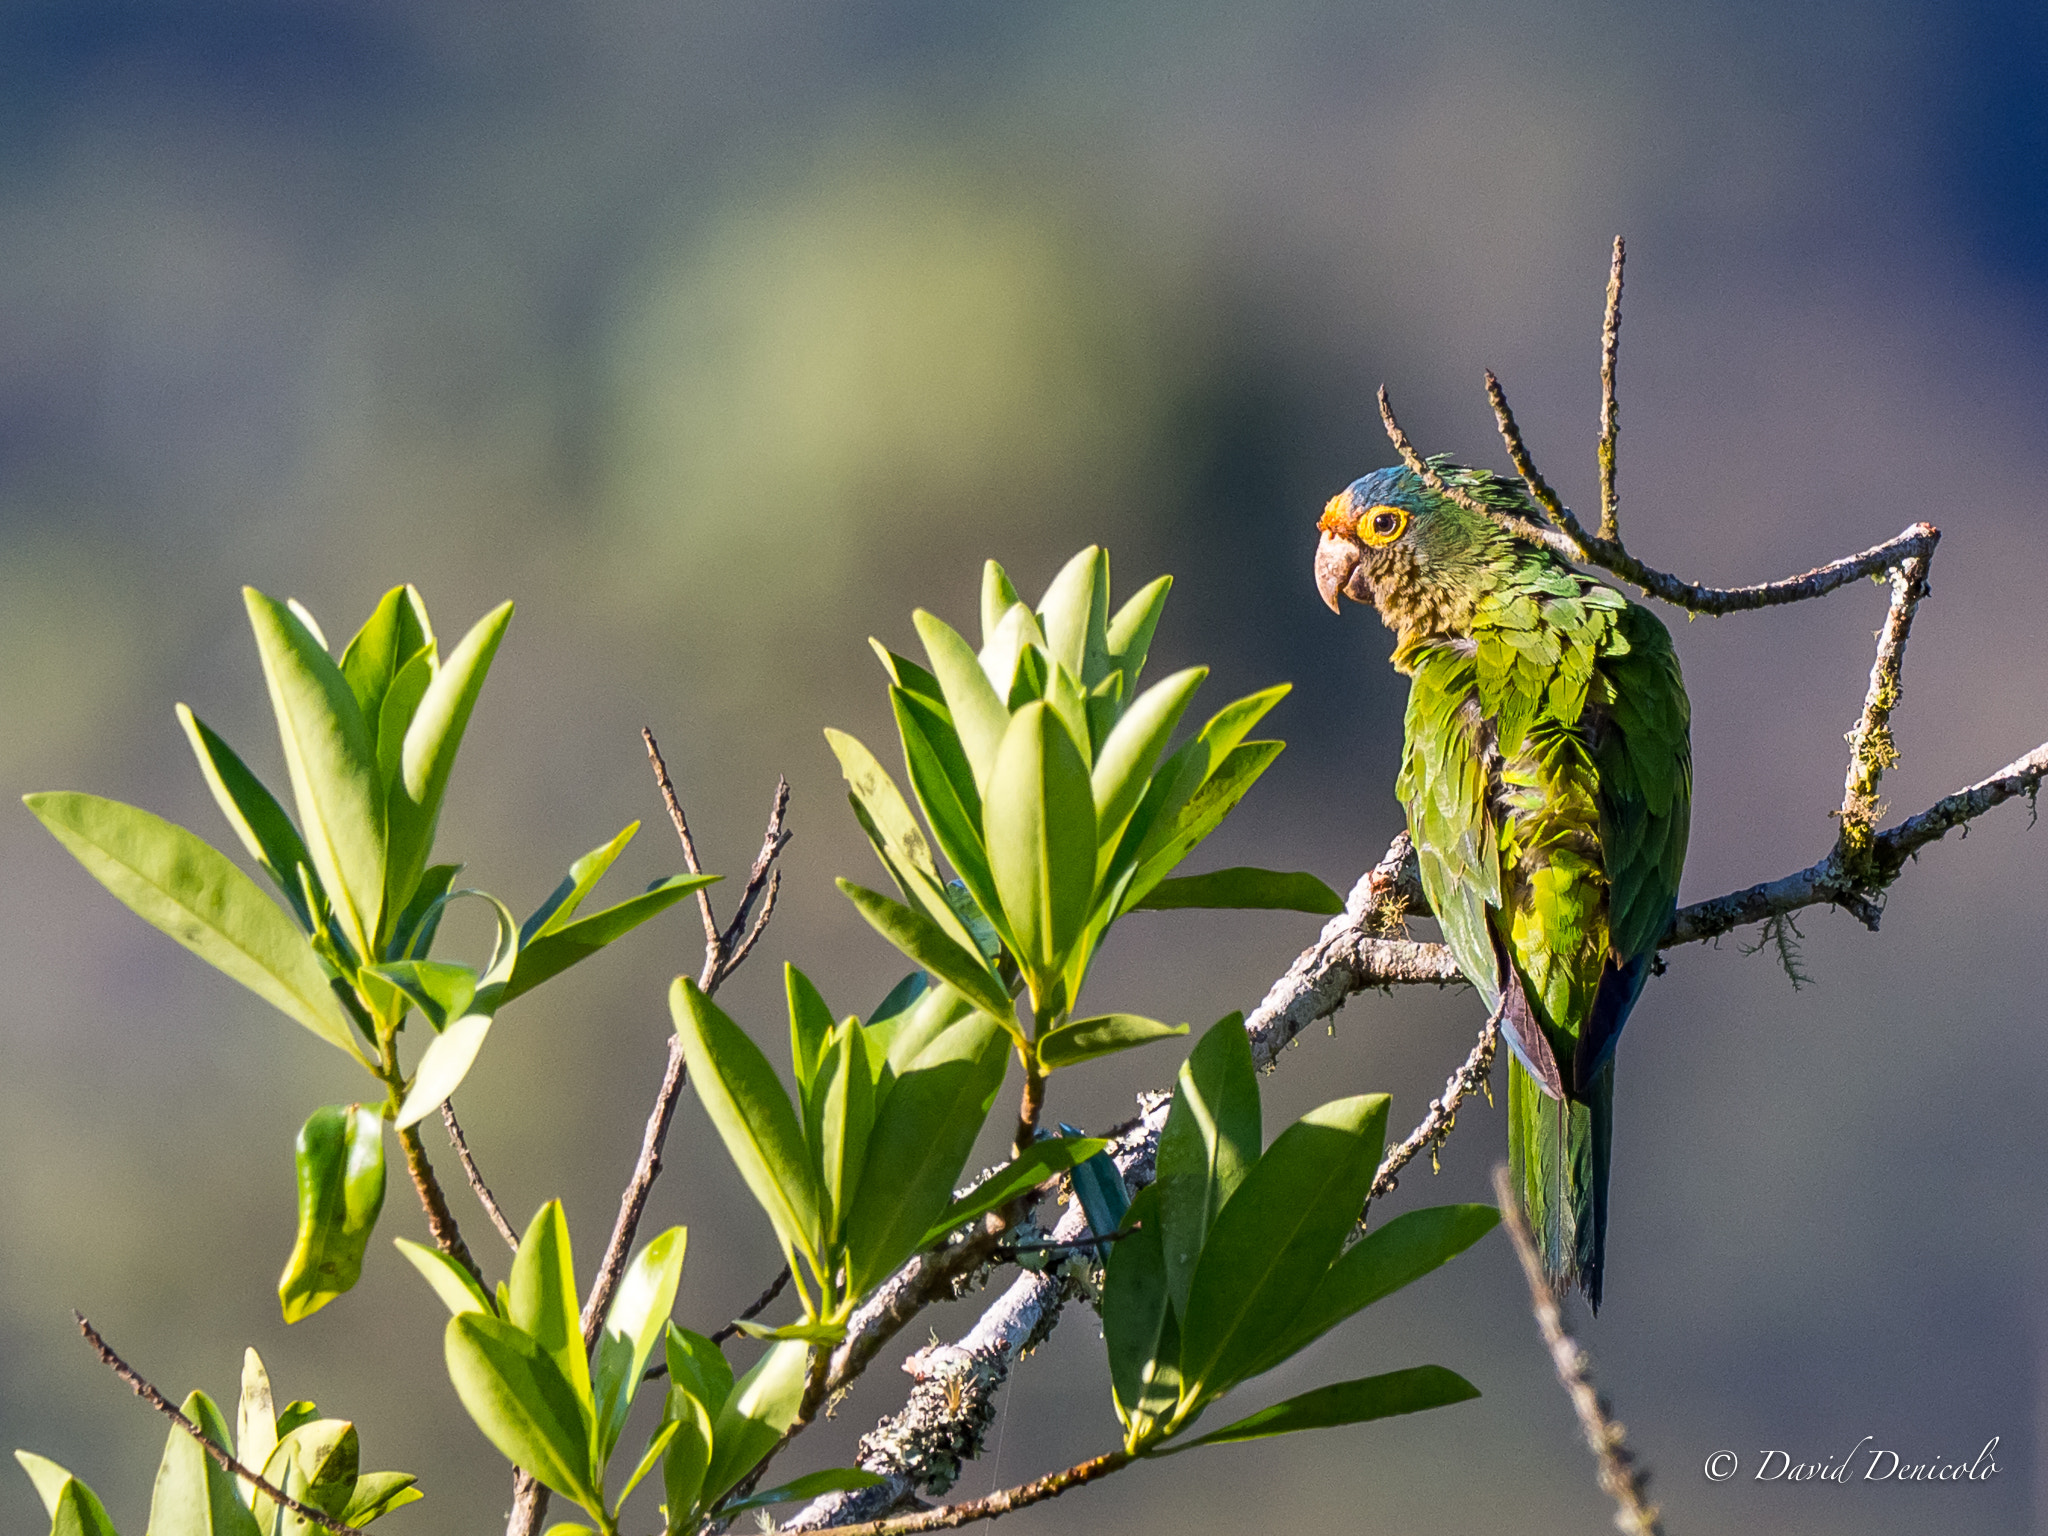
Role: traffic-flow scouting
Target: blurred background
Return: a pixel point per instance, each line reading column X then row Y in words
column 721, row 336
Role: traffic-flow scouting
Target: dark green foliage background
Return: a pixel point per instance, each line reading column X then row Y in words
column 720, row 336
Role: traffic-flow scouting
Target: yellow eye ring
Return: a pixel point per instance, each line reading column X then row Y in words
column 1380, row 526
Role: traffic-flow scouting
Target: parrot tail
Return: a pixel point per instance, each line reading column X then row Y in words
column 1558, row 1153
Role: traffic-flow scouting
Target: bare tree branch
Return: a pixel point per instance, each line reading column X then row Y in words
column 724, row 951
column 476, row 1178
column 1619, row 1475
column 996, row 1504
column 1442, row 1119
column 760, row 1304
column 1610, row 407
column 162, row 1405
column 440, row 1220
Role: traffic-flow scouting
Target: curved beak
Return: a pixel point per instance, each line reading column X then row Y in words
column 1336, row 559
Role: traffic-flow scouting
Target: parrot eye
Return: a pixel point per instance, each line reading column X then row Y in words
column 1382, row 525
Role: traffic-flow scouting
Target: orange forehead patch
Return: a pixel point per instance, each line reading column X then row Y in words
column 1337, row 518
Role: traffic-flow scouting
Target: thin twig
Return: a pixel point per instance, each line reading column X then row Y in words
column 760, row 1304
column 162, row 1405
column 719, row 963
column 1442, row 1118
column 476, row 1178
column 1619, row 1475
column 682, row 826
column 996, row 1504
column 1610, row 408
column 1570, row 541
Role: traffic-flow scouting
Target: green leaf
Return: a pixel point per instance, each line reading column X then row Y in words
column 1085, row 1039
column 541, row 1296
column 176, row 882
column 905, row 673
column 938, row 1010
column 763, row 1404
column 315, row 1463
column 1039, row 816
column 747, row 1104
column 456, row 1287
column 431, row 742
column 1275, row 1237
column 900, row 1000
column 340, row 1169
column 558, row 948
column 699, row 1366
column 1075, row 610
column 898, row 840
column 1104, row 1197
column 583, row 876
column 810, row 1027
column 1348, row 1402
column 635, row 1323
column 48, row 1477
column 943, row 782
column 412, row 936
column 395, row 715
column 838, row 1122
column 923, row 1132
column 922, row 941
column 74, row 1509
column 255, row 1418
column 569, row 1528
column 332, row 759
column 686, row 1460
column 979, row 718
column 440, row 989
column 394, row 633
column 1130, row 632
column 1379, row 1264
column 1123, row 767
column 1243, row 889
column 1042, row 1160
column 998, row 597
column 657, row 1448
column 809, row 1486
column 1200, row 815
column 194, row 1494
column 1209, row 1143
column 448, row 1057
column 1013, row 658
column 443, row 1065
column 810, row 1333
column 379, row 1493
column 516, row 1394
column 259, row 821
column 1136, row 1319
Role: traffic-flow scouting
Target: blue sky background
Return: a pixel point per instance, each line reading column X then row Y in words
column 720, row 337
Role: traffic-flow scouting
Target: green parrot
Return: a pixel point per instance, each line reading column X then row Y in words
column 1547, row 776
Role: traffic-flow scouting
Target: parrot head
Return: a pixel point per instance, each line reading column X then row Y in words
column 1418, row 557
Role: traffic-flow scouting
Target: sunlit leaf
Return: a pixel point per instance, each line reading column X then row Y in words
column 1042, row 1160
column 1210, row 1141
column 259, row 821
column 751, row 1110
column 1085, row 1039
column 340, row 1171
column 1039, row 816
column 633, row 1326
column 332, row 759
column 1275, row 1237
column 1348, row 1402
column 541, row 1296
column 194, row 1495
column 558, row 948
column 1243, row 889
column 456, row 1287
column 192, row 892
column 979, row 717
column 516, row 1394
column 583, row 876
column 922, row 941
column 763, row 1404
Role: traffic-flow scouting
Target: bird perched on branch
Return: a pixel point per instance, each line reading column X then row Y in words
column 1547, row 776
